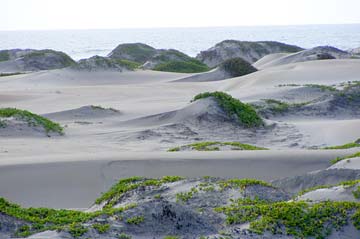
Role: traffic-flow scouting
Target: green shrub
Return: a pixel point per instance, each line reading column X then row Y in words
column 124, row 236
column 213, row 146
column 128, row 184
column 77, row 230
column 32, row 119
column 193, row 66
column 135, row 220
column 245, row 113
column 299, row 219
column 237, row 67
column 101, row 228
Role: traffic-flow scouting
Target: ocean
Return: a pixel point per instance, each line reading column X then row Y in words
column 85, row 43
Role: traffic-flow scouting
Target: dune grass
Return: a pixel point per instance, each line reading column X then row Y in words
column 245, row 113
column 128, row 184
column 338, row 159
column 278, row 107
column 300, row 219
column 214, row 146
column 349, row 183
column 192, row 66
column 354, row 144
column 32, row 119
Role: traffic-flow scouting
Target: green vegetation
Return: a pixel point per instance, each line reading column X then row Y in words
column 241, row 183
column 10, row 74
column 77, row 230
column 354, row 144
column 171, row 237
column 214, row 146
column 136, row 52
column 131, row 65
column 245, row 113
column 279, row 107
column 51, row 219
column 186, row 196
column 4, row 55
column 98, row 107
column 350, row 183
column 322, row 87
column 338, row 159
column 193, row 66
column 237, row 67
column 128, row 184
column 124, row 236
column 299, row 219
column 101, row 228
column 32, row 119
column 135, row 220
column 2, row 124
column 63, row 58
column 356, row 193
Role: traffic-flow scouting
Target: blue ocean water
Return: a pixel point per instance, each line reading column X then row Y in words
column 85, row 43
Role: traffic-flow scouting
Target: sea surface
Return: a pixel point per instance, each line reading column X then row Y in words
column 85, row 43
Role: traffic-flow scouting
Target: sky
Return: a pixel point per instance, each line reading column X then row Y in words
column 113, row 14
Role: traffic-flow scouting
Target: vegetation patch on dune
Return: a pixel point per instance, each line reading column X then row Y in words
column 346, row 146
column 300, row 219
column 338, row 159
column 215, row 146
column 4, row 55
column 350, row 183
column 237, row 67
column 10, row 74
column 322, row 87
column 245, row 113
column 128, row 184
column 193, row 66
column 278, row 107
column 32, row 119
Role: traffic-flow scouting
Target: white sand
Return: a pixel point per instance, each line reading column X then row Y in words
column 91, row 144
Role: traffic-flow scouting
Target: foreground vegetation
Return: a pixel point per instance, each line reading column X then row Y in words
column 245, row 113
column 300, row 219
column 215, row 146
column 32, row 119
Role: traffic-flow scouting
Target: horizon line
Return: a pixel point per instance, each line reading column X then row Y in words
column 177, row 27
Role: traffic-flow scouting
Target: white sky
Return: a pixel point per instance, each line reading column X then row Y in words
column 98, row 14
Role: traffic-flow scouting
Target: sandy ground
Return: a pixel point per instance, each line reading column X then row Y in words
column 71, row 170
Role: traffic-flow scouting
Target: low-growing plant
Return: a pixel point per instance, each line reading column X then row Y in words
column 237, row 67
column 101, row 228
column 338, row 159
column 32, row 119
column 245, row 113
column 124, row 236
column 77, row 230
column 186, row 196
column 214, row 146
column 128, row 184
column 345, row 146
column 135, row 220
column 192, row 66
